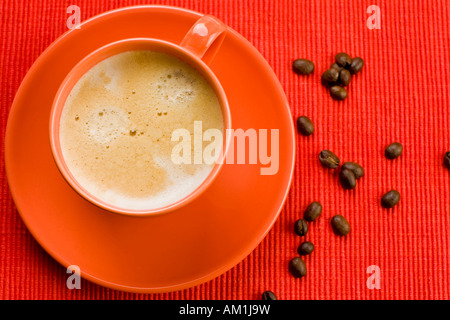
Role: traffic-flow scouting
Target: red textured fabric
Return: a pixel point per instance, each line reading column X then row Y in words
column 401, row 95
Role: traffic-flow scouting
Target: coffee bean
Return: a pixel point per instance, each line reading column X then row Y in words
column 343, row 60
column 313, row 211
column 357, row 170
column 301, row 227
column 338, row 93
column 340, row 225
column 330, row 77
column 356, row 65
column 393, row 150
column 390, row 199
column 305, row 248
column 347, row 178
column 329, row 159
column 305, row 126
column 336, row 66
column 269, row 295
column 297, row 267
column 344, row 77
column 447, row 160
column 303, row 66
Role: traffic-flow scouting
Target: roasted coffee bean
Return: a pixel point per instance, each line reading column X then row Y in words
column 447, row 160
column 305, row 126
column 330, row 77
column 336, row 66
column 356, row 65
column 343, row 60
column 338, row 93
column 305, row 248
column 313, row 211
column 393, row 150
column 390, row 199
column 344, row 77
column 340, row 225
column 297, row 267
column 357, row 170
column 329, row 159
column 347, row 178
column 303, row 66
column 269, row 295
column 301, row 227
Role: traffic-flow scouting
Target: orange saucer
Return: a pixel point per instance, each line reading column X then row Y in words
column 169, row 252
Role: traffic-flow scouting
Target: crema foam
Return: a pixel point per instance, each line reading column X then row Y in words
column 116, row 126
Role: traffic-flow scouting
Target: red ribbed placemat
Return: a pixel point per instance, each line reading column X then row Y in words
column 401, row 95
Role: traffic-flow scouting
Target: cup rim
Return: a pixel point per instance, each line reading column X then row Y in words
column 65, row 88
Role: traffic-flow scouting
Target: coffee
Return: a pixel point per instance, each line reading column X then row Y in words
column 117, row 123
column 357, row 170
column 447, row 160
column 301, row 227
column 343, row 60
column 390, row 199
column 338, row 93
column 356, row 65
column 313, row 211
column 393, row 151
column 344, row 77
column 297, row 267
column 340, row 225
column 305, row 248
column 330, row 77
column 350, row 172
column 329, row 159
column 305, row 126
column 269, row 295
column 347, row 178
column 303, row 66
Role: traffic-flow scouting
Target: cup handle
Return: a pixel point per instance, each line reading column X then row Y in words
column 202, row 35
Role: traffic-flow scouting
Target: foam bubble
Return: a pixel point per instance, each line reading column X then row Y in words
column 105, row 124
column 176, row 87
